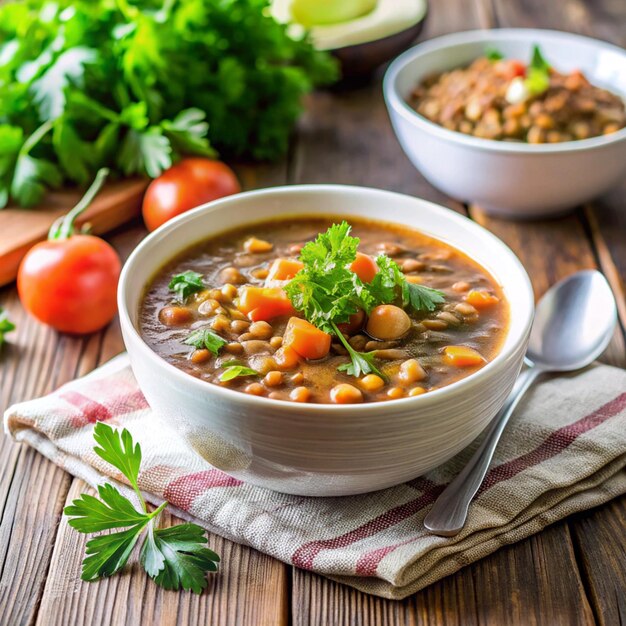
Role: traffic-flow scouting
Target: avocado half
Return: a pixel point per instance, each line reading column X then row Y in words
column 362, row 34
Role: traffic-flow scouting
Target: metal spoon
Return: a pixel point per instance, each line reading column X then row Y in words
column 574, row 323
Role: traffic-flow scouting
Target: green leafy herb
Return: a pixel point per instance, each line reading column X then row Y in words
column 493, row 54
column 538, row 73
column 158, row 79
column 6, row 326
column 235, row 371
column 205, row 338
column 183, row 285
column 327, row 292
column 174, row 558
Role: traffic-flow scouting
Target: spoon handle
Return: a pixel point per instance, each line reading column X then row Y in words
column 448, row 514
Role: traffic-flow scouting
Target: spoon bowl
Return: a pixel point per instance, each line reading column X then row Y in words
column 573, row 323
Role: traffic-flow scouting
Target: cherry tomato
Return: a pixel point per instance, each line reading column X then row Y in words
column 70, row 281
column 186, row 185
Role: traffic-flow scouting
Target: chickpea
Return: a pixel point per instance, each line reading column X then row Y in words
column 255, row 389
column 232, row 276
column 286, row 358
column 260, row 273
column 276, row 342
column 275, row 395
column 391, row 354
column 254, row 245
column 255, row 346
column 412, row 278
column 465, row 308
column 417, row 391
column 345, row 393
column 300, row 394
column 388, row 321
column 372, row 382
column 208, row 307
column 234, row 348
column 412, row 265
column 273, row 378
column 297, row 378
column 358, row 342
column 239, row 326
column 261, row 330
column 220, row 323
column 450, row 318
column 411, row 371
column 200, row 356
column 395, row 393
column 174, row 315
column 229, row 291
column 435, row 324
column 461, row 286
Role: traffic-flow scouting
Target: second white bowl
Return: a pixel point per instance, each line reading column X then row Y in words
column 512, row 179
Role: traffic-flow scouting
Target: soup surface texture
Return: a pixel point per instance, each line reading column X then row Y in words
column 220, row 311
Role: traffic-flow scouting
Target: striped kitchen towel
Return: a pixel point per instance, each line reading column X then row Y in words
column 564, row 451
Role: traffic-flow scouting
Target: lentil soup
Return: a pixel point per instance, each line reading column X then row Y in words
column 220, row 311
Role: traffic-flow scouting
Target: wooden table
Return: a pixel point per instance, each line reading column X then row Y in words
column 572, row 573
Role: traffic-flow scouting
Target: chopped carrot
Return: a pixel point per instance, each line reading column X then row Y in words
column 462, row 356
column 263, row 303
column 286, row 358
column 307, row 340
column 284, row 269
column 364, row 267
column 481, row 299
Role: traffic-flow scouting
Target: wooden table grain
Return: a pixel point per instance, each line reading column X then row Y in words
column 574, row 572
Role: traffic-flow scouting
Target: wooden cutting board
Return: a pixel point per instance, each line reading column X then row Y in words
column 20, row 229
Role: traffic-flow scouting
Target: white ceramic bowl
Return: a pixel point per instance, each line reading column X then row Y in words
column 511, row 179
column 325, row 450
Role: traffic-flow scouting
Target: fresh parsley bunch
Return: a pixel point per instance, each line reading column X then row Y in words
column 6, row 325
column 133, row 84
column 328, row 292
column 175, row 557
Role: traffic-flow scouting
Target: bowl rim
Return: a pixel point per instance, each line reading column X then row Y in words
column 132, row 334
column 493, row 35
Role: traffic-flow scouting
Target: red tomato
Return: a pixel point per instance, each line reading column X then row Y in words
column 186, row 185
column 70, row 284
column 511, row 68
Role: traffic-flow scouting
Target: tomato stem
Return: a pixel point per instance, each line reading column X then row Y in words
column 63, row 228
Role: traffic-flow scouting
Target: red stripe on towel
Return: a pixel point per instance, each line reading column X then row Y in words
column 554, row 444
column 182, row 491
column 89, row 410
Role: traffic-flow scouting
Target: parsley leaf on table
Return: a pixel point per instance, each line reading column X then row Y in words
column 185, row 284
column 205, row 338
column 6, row 325
column 174, row 558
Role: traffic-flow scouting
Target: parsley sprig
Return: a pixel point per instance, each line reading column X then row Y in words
column 205, row 338
column 328, row 293
column 538, row 73
column 6, row 325
column 185, row 284
column 236, row 370
column 174, row 558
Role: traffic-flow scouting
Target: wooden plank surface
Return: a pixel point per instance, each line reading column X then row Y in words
column 22, row 228
column 568, row 574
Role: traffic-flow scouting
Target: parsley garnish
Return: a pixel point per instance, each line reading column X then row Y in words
column 174, row 558
column 235, row 371
column 538, row 73
column 183, row 285
column 205, row 338
column 6, row 325
column 327, row 292
column 493, row 54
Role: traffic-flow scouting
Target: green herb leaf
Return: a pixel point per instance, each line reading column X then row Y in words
column 147, row 152
column 493, row 54
column 107, row 554
column 538, row 74
column 185, row 284
column 49, row 90
column 6, row 326
column 187, row 133
column 174, row 557
column 235, row 371
column 113, row 510
column 205, row 338
column 177, row 557
column 420, row 297
column 31, row 178
column 119, row 450
column 361, row 363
